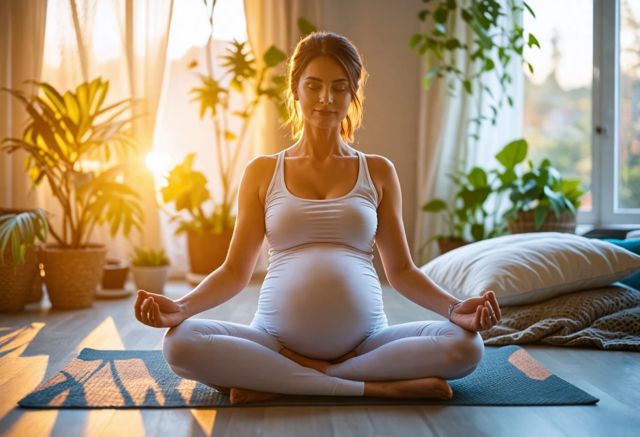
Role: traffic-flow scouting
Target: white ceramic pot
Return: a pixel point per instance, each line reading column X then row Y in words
column 151, row 279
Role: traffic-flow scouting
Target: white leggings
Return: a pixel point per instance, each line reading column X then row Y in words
column 229, row 354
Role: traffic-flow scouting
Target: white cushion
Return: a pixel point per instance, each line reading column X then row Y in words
column 531, row 267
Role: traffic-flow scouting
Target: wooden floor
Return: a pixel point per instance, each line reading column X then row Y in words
column 37, row 343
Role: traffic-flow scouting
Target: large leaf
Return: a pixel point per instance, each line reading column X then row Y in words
column 477, row 177
column 435, row 205
column 273, row 56
column 513, row 153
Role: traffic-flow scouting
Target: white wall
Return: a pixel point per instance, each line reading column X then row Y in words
column 381, row 30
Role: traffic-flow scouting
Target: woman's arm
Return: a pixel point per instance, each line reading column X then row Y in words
column 234, row 274
column 402, row 273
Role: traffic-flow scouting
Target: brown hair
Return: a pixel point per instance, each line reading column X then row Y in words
column 344, row 53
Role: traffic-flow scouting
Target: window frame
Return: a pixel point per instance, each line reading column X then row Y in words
column 605, row 119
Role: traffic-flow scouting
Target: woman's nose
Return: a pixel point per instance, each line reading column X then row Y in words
column 326, row 96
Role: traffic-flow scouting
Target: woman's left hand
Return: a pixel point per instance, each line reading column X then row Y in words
column 477, row 313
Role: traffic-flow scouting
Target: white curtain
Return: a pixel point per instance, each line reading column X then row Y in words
column 275, row 22
column 444, row 144
column 124, row 42
column 21, row 50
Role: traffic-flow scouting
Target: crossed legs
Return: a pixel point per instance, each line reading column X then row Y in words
column 227, row 354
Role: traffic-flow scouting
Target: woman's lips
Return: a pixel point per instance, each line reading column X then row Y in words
column 321, row 112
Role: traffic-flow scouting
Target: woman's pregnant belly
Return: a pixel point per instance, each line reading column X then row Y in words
column 320, row 300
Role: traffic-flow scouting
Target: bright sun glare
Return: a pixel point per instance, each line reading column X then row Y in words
column 159, row 163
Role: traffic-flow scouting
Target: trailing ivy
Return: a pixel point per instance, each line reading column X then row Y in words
column 491, row 51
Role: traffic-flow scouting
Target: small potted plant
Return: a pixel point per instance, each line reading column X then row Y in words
column 70, row 141
column 114, row 278
column 150, row 269
column 541, row 199
column 19, row 232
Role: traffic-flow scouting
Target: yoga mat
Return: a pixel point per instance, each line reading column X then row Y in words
column 506, row 375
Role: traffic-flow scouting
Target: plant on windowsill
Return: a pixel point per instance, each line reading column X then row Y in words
column 534, row 194
column 541, row 198
column 19, row 233
column 209, row 233
column 150, row 269
column 69, row 140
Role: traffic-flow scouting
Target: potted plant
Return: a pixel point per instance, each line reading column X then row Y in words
column 70, row 139
column 150, row 269
column 114, row 277
column 541, row 199
column 468, row 219
column 19, row 232
column 209, row 233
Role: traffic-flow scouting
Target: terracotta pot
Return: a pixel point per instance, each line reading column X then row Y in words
column 524, row 222
column 207, row 251
column 114, row 274
column 151, row 279
column 72, row 275
column 449, row 245
column 16, row 281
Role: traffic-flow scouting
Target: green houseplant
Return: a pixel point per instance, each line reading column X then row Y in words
column 150, row 269
column 208, row 223
column 69, row 140
column 489, row 49
column 541, row 198
column 19, row 233
column 468, row 219
column 532, row 193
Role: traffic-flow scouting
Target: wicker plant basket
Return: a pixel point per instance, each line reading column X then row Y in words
column 524, row 222
column 72, row 275
column 16, row 282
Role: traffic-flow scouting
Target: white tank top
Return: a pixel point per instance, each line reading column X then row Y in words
column 321, row 296
column 349, row 220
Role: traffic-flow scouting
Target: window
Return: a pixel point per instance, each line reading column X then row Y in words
column 582, row 103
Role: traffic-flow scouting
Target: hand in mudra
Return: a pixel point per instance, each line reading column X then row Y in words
column 157, row 310
column 477, row 313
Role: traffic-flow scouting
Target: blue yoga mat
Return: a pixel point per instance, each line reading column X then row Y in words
column 506, row 375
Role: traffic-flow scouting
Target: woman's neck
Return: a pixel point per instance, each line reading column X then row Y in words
column 321, row 145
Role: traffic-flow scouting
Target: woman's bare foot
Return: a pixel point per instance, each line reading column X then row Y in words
column 319, row 365
column 244, row 396
column 431, row 388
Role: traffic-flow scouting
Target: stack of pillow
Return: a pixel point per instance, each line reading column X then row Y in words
column 528, row 268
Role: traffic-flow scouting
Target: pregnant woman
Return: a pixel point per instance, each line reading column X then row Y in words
column 320, row 326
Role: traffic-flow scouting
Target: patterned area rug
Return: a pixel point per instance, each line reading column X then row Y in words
column 142, row 379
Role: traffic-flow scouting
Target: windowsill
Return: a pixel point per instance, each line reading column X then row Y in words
column 583, row 228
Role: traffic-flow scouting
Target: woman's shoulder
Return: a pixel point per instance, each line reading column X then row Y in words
column 379, row 166
column 262, row 163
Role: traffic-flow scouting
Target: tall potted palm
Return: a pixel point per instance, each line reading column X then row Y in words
column 73, row 142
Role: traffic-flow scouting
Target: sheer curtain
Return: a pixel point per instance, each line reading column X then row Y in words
column 275, row 23
column 21, row 52
column 444, row 144
column 124, row 42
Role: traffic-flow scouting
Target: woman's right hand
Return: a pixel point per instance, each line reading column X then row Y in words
column 157, row 310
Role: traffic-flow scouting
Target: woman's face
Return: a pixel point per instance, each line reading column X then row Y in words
column 323, row 93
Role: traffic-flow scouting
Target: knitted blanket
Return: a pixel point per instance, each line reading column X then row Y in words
column 604, row 318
